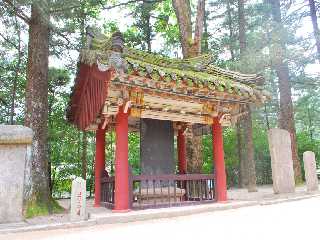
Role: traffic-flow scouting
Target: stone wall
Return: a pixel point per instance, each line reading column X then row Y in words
column 15, row 152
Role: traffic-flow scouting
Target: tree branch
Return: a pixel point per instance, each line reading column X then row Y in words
column 3, row 101
column 128, row 2
column 105, row 7
column 199, row 23
column 183, row 13
column 8, row 41
column 18, row 12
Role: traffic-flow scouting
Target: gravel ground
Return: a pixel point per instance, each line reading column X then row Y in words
column 289, row 220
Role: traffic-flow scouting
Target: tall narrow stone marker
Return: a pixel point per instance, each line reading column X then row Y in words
column 78, row 200
column 15, row 153
column 281, row 161
column 310, row 169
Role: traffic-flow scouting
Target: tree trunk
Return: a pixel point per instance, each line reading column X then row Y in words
column 183, row 12
column 16, row 75
column 82, row 25
column 37, row 100
column 241, row 151
column 266, row 116
column 286, row 118
column 194, row 152
column 241, row 131
column 251, row 164
column 198, row 32
column 84, row 155
column 242, row 28
column 231, row 34
column 246, row 121
column 147, row 17
column 191, row 48
column 51, row 101
column 310, row 124
column 205, row 46
column 243, row 169
column 316, row 32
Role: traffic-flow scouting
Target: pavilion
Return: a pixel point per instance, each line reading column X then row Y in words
column 124, row 88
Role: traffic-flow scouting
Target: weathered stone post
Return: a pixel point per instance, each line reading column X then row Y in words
column 310, row 168
column 281, row 161
column 78, row 200
column 15, row 157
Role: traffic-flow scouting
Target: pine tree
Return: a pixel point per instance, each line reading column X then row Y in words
column 191, row 47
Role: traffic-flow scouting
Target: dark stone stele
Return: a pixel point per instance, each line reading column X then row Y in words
column 157, row 147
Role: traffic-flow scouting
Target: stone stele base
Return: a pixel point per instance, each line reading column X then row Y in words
column 281, row 161
column 310, row 169
column 15, row 149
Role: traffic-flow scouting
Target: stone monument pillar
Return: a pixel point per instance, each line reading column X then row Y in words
column 156, row 148
column 15, row 157
column 78, row 200
column 310, row 168
column 281, row 161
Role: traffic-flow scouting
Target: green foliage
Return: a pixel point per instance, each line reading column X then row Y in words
column 134, row 153
column 305, row 143
column 166, row 25
column 262, row 155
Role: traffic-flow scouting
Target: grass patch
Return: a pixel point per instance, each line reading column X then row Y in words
column 56, row 208
column 34, row 208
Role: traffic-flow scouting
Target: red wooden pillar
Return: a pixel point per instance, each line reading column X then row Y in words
column 182, row 162
column 99, row 164
column 121, row 198
column 219, row 166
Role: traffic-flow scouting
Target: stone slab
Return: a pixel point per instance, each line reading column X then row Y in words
column 281, row 161
column 310, row 169
column 78, row 200
column 15, row 134
column 157, row 147
column 15, row 154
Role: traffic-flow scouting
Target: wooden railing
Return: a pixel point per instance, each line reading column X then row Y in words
column 152, row 191
column 107, row 191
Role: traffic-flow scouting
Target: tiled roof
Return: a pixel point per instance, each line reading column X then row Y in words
column 197, row 73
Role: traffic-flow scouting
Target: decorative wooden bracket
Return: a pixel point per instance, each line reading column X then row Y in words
column 127, row 106
column 105, row 122
column 225, row 119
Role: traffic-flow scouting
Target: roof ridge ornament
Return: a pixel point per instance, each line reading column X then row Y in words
column 117, row 42
column 90, row 36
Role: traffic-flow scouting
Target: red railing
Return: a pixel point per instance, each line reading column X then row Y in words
column 152, row 191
